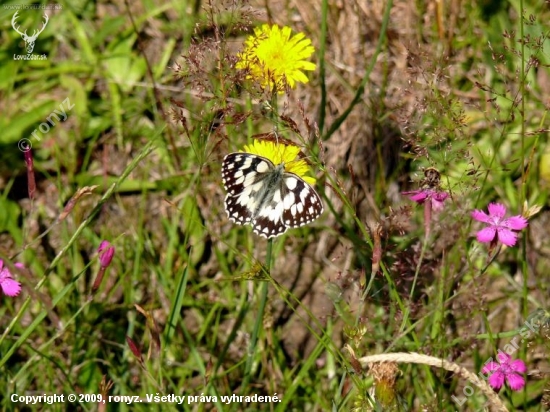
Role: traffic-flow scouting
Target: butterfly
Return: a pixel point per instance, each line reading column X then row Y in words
column 266, row 196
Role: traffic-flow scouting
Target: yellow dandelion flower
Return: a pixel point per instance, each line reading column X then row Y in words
column 281, row 153
column 276, row 59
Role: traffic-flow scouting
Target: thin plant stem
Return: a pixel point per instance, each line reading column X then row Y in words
column 265, row 285
column 259, row 320
column 322, row 66
column 523, row 193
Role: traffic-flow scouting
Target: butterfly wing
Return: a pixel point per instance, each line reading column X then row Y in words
column 266, row 197
column 301, row 203
column 269, row 219
column 243, row 175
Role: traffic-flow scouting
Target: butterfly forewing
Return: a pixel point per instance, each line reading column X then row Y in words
column 302, row 204
column 242, row 176
column 265, row 196
column 242, row 170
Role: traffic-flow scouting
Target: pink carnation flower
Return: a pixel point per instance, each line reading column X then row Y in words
column 436, row 198
column 498, row 228
column 506, row 370
column 9, row 286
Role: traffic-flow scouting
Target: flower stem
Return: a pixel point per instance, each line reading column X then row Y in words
column 259, row 321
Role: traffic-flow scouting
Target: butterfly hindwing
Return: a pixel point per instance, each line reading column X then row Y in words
column 237, row 213
column 302, row 204
column 269, row 219
column 267, row 228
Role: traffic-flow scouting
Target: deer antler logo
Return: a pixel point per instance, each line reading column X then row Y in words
column 29, row 40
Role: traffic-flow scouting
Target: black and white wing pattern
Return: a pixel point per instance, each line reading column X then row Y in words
column 265, row 196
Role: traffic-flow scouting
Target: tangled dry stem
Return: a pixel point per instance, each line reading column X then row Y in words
column 440, row 363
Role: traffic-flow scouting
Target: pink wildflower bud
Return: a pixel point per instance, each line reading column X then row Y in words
column 106, row 252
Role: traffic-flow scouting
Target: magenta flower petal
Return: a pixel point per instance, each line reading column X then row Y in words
column 515, row 381
column 102, row 246
column 481, row 216
column 497, row 210
column 507, row 237
column 487, row 234
column 436, row 198
column 106, row 252
column 418, row 197
column 503, row 357
column 515, row 223
column 490, row 366
column 518, row 366
column 437, row 205
column 496, row 380
column 10, row 287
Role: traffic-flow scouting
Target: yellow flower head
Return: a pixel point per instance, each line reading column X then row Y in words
column 281, row 153
column 275, row 59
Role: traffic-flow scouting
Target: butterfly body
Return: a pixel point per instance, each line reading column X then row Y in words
column 266, row 196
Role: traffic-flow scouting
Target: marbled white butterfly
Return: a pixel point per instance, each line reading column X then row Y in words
column 266, row 196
